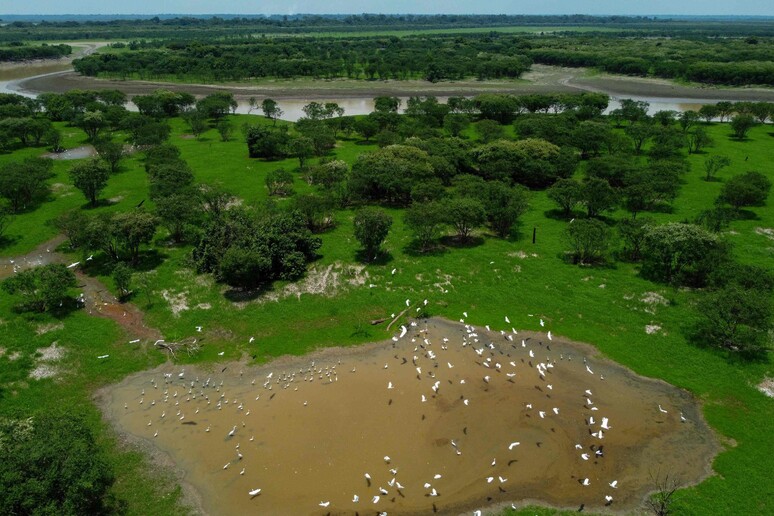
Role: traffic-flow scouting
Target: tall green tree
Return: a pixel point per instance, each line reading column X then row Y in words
column 90, row 177
column 371, row 228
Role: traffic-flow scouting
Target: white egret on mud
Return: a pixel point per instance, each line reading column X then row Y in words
column 513, row 445
column 255, row 492
column 614, row 484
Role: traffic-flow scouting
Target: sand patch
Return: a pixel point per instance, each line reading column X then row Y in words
column 321, row 281
column 42, row 329
column 444, row 417
column 44, row 367
column 650, row 329
column 177, row 302
column 767, row 387
column 50, row 353
column 767, row 232
column 16, row 355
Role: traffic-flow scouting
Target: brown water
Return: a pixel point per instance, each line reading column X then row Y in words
column 309, row 428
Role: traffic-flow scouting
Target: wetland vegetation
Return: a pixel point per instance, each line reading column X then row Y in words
column 245, row 237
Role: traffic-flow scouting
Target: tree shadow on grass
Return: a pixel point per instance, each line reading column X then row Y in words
column 557, row 214
column 415, row 249
column 6, row 240
column 103, row 265
column 382, row 258
column 101, row 203
column 239, row 295
column 462, row 243
column 742, row 214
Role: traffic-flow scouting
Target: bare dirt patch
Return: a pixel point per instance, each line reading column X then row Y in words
column 42, row 329
column 177, row 302
column 767, row 232
column 650, row 329
column 50, row 353
column 322, row 281
column 45, row 366
column 767, row 387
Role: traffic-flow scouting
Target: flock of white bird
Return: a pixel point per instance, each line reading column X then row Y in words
column 175, row 391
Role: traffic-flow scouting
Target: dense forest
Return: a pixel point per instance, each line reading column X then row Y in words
column 434, row 57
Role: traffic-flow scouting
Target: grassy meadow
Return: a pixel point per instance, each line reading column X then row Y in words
column 333, row 306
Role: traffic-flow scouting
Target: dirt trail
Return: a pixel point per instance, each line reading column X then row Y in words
column 98, row 300
column 445, row 419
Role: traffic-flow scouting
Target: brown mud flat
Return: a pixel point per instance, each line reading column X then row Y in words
column 541, row 79
column 446, row 419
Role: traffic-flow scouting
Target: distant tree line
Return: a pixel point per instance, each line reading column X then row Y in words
column 428, row 57
column 23, row 52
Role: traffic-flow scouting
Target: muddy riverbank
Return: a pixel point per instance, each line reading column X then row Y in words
column 447, row 418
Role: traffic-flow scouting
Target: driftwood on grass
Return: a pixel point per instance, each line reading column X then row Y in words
column 190, row 345
column 396, row 318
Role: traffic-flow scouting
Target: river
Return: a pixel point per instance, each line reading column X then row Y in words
column 31, row 79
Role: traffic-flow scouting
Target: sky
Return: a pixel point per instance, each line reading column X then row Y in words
column 626, row 7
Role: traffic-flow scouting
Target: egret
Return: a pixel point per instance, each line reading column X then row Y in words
column 507, row 320
column 355, row 498
column 604, row 424
column 383, row 491
column 661, row 409
column 433, row 492
column 375, row 499
column 502, row 480
column 242, row 472
column 556, row 410
column 549, row 335
column 586, row 482
column 324, row 504
column 513, row 445
column 255, row 492
column 585, row 456
column 437, row 476
column 387, row 459
column 682, row 418
column 614, row 484
column 389, row 385
column 542, row 323
column 489, row 480
column 232, row 432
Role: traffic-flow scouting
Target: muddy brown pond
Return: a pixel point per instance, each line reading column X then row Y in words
column 445, row 417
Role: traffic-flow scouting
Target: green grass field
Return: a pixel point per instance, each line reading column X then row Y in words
column 599, row 305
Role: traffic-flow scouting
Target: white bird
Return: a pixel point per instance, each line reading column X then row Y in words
column 614, row 484
column 608, row 498
column 437, row 476
column 433, row 492
column 387, row 459
column 604, row 423
column 389, row 385
column 324, row 504
column 255, row 492
column 232, row 432
column 513, row 445
column 556, row 410
column 466, row 402
column 252, row 339
column 73, row 265
column 542, row 323
column 549, row 335
column 588, row 391
column 450, row 365
column 682, row 418
column 383, row 491
column 501, row 479
column 199, row 329
column 394, row 271
column 585, row 456
column 375, row 499
column 242, row 472
column 489, row 480
column 368, row 477
column 408, row 302
column 541, row 414
column 661, row 410
column 586, row 481
column 589, row 369
column 227, row 465
column 355, row 498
